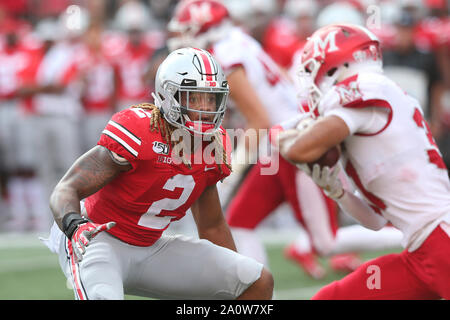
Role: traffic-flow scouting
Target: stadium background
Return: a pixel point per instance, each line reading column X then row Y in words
column 415, row 35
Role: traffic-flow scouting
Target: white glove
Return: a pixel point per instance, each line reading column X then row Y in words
column 290, row 130
column 305, row 123
column 328, row 180
column 286, row 139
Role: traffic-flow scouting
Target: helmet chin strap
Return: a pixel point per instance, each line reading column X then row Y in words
column 198, row 127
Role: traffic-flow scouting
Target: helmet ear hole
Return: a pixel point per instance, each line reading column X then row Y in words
column 176, row 96
column 331, row 72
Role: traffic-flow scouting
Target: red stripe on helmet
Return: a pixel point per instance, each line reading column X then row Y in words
column 207, row 63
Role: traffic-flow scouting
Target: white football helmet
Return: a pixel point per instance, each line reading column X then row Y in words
column 187, row 73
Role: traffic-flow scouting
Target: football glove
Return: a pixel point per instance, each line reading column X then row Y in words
column 327, row 179
column 286, row 138
column 81, row 231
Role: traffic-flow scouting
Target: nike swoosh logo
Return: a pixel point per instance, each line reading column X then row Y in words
column 209, row 168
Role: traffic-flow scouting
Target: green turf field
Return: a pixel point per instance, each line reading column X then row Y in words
column 29, row 270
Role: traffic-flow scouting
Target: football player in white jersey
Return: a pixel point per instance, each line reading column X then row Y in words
column 390, row 156
column 264, row 96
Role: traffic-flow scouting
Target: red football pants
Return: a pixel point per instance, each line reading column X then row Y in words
column 418, row 275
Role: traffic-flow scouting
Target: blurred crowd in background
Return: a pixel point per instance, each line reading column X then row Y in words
column 67, row 65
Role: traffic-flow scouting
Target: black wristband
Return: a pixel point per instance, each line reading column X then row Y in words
column 70, row 222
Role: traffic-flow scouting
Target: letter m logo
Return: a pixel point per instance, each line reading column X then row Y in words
column 320, row 46
column 348, row 93
column 200, row 13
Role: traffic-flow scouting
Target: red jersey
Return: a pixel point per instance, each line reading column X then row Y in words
column 432, row 33
column 17, row 65
column 97, row 71
column 131, row 66
column 156, row 191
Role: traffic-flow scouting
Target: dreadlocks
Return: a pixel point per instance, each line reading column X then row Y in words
column 159, row 124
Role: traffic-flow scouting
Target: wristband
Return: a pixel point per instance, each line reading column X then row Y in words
column 70, row 223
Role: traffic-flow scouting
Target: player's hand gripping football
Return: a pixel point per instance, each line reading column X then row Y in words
column 81, row 231
column 328, row 180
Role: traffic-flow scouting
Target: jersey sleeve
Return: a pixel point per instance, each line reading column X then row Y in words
column 124, row 135
column 360, row 104
column 367, row 121
column 229, row 55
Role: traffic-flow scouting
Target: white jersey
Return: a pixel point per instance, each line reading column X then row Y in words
column 398, row 169
column 275, row 91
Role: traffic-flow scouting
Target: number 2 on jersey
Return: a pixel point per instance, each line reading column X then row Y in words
column 433, row 153
column 152, row 219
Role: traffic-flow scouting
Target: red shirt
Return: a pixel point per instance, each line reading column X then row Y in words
column 156, row 191
column 131, row 65
column 17, row 65
column 432, row 33
column 97, row 71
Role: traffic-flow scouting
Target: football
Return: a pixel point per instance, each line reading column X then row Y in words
column 329, row 159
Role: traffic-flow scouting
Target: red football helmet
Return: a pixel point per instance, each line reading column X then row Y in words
column 198, row 23
column 334, row 53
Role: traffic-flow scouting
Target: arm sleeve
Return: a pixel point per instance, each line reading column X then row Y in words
column 368, row 120
column 356, row 207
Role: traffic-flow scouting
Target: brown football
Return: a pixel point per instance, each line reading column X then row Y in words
column 330, row 158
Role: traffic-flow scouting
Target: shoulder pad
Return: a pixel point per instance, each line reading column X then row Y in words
column 128, row 133
column 349, row 91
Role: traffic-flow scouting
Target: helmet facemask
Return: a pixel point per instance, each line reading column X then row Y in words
column 198, row 110
column 316, row 87
column 191, row 91
column 335, row 53
column 307, row 74
column 202, row 111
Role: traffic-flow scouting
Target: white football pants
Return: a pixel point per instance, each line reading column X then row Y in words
column 174, row 267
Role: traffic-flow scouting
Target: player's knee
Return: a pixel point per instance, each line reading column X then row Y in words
column 105, row 292
column 267, row 283
column 263, row 287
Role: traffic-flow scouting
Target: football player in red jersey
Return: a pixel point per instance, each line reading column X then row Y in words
column 390, row 156
column 133, row 188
